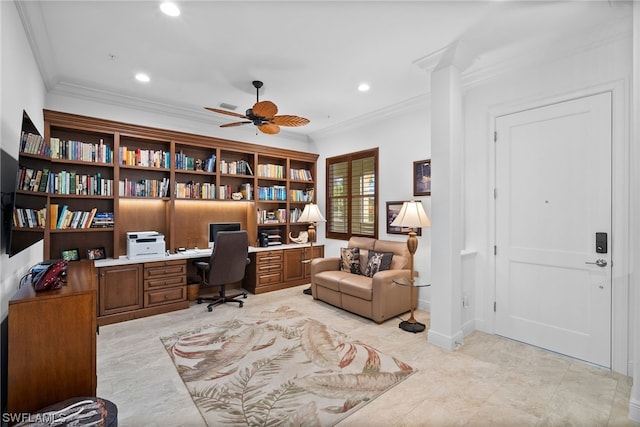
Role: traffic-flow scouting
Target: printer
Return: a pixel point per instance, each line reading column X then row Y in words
column 145, row 244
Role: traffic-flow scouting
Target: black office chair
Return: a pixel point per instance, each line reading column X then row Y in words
column 227, row 264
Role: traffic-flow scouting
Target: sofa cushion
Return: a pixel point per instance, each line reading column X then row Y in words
column 378, row 261
column 401, row 255
column 331, row 279
column 357, row 286
column 350, row 260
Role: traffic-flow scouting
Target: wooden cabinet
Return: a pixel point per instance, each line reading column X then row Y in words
column 278, row 269
column 131, row 291
column 120, row 288
column 165, row 282
column 297, row 262
column 52, row 342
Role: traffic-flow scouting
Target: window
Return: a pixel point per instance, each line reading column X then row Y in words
column 352, row 195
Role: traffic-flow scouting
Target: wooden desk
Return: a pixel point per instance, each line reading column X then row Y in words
column 52, row 342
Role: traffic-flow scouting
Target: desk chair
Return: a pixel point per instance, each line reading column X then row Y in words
column 227, row 264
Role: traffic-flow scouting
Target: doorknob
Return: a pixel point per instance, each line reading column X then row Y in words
column 599, row 262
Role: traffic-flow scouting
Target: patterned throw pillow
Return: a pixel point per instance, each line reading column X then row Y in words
column 378, row 261
column 350, row 260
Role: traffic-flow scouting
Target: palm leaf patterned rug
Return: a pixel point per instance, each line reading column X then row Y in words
column 279, row 369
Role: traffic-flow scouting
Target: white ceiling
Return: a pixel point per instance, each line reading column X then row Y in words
column 311, row 55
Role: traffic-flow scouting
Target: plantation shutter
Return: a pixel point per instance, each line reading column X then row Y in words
column 352, row 195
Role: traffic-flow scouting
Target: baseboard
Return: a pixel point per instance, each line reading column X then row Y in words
column 445, row 341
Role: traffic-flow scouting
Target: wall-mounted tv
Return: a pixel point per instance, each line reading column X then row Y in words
column 215, row 227
column 25, row 201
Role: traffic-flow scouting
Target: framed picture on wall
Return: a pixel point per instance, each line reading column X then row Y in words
column 422, row 178
column 393, row 209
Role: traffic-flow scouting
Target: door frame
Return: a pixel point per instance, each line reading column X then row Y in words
column 620, row 211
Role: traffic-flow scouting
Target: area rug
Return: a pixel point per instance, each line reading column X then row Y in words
column 280, row 368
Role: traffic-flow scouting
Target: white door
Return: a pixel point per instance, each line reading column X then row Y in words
column 553, row 194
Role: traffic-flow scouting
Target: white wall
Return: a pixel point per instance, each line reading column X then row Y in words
column 21, row 89
column 401, row 139
column 606, row 67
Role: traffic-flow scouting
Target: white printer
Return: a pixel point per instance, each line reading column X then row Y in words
column 145, row 244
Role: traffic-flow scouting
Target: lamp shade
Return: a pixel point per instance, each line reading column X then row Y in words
column 311, row 213
column 412, row 215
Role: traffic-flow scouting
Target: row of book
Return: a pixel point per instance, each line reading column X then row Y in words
column 188, row 163
column 64, row 218
column 301, row 195
column 33, row 143
column 300, row 174
column 147, row 158
column 64, row 182
column 144, row 188
column 235, row 167
column 271, row 171
column 275, row 192
column 83, row 151
column 195, row 190
column 272, row 216
column 29, row 218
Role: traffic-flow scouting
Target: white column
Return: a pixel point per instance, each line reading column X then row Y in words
column 446, row 197
column 634, row 399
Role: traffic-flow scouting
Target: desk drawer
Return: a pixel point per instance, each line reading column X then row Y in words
column 165, row 296
column 267, row 278
column 269, row 257
column 164, row 282
column 165, row 268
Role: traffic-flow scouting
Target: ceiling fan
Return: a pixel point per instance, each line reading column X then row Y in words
column 263, row 115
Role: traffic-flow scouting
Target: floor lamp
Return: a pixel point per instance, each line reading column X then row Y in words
column 412, row 215
column 311, row 214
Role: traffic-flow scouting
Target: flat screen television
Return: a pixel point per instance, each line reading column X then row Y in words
column 215, row 227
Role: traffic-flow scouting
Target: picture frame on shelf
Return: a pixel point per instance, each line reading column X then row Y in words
column 393, row 209
column 422, row 177
column 71, row 254
column 96, row 253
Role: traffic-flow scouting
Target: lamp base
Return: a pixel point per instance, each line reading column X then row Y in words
column 414, row 327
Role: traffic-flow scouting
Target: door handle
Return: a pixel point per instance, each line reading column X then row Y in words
column 599, row 262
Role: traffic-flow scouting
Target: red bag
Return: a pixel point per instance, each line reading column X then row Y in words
column 49, row 275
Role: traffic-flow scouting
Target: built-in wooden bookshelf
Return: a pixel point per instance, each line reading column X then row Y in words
column 171, row 182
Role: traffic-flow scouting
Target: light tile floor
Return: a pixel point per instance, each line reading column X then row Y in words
column 488, row 381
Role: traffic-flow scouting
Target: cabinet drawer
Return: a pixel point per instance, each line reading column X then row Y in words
column 164, row 268
column 164, row 282
column 165, row 296
column 270, row 257
column 267, row 278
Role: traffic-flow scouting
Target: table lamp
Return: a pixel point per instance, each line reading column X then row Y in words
column 412, row 215
column 311, row 214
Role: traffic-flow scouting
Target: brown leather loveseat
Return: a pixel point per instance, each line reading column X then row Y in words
column 378, row 297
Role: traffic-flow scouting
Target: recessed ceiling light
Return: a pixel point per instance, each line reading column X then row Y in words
column 363, row 87
column 142, row 77
column 170, row 9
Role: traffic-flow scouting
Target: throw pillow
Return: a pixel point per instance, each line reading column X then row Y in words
column 378, row 261
column 350, row 260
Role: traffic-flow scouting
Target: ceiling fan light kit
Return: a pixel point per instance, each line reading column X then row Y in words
column 263, row 115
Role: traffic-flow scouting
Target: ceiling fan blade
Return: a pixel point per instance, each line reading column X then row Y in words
column 229, row 113
column 269, row 128
column 289, row 120
column 266, row 109
column 227, row 125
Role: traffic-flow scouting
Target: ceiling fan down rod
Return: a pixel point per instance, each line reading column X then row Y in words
column 257, row 84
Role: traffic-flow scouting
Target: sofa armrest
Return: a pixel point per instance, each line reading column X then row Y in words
column 390, row 298
column 324, row 264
